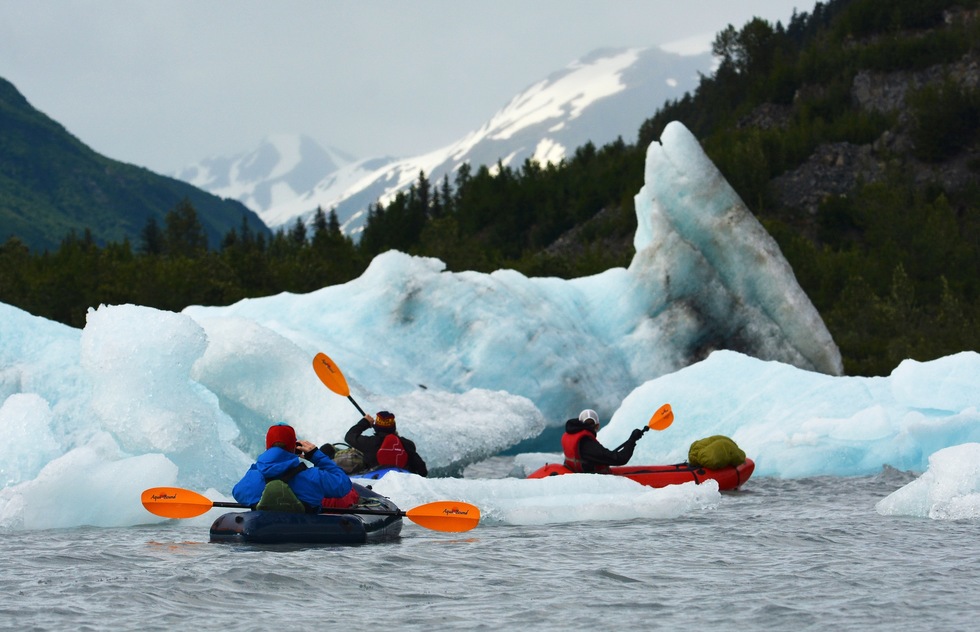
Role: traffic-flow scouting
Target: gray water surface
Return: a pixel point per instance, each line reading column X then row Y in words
column 808, row 554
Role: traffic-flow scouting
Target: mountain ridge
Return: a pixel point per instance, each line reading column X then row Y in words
column 603, row 95
column 293, row 162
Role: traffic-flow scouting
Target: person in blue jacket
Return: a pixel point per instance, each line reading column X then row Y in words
column 323, row 485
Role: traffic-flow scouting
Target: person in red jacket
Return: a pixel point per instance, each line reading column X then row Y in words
column 584, row 453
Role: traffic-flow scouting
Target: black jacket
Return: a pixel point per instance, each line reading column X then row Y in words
column 592, row 452
column 369, row 447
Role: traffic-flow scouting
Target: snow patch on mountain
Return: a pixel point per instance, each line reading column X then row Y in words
column 603, row 96
column 282, row 168
column 565, row 95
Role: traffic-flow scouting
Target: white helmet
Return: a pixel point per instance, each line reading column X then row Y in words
column 588, row 415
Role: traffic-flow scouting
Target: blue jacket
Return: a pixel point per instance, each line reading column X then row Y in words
column 324, row 479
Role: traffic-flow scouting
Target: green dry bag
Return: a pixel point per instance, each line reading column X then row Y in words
column 715, row 452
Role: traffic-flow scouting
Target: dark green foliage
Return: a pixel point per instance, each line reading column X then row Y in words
column 947, row 120
column 152, row 238
column 897, row 276
column 866, row 18
column 174, row 269
column 184, row 236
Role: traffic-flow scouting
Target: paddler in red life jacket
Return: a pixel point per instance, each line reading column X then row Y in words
column 584, row 453
column 372, row 445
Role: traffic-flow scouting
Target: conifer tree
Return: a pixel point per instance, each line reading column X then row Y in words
column 333, row 224
column 184, row 235
column 297, row 234
column 151, row 238
column 321, row 229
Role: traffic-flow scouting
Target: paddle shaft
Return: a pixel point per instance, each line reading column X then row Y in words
column 218, row 503
column 359, row 409
column 329, row 510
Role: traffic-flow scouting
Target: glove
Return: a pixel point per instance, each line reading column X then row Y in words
column 309, row 455
column 636, row 435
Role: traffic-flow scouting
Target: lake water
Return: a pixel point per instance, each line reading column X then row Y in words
column 808, row 554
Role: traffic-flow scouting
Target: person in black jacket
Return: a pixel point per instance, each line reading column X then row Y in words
column 584, row 453
column 384, row 425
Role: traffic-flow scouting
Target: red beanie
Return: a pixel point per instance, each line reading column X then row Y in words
column 281, row 433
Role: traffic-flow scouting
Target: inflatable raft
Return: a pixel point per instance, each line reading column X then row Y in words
column 375, row 519
column 728, row 478
column 378, row 473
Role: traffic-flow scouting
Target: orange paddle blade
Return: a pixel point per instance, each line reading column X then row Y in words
column 174, row 502
column 662, row 418
column 330, row 374
column 445, row 515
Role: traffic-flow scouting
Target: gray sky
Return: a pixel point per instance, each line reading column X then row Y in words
column 166, row 83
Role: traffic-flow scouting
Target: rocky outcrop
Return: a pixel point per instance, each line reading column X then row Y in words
column 839, row 168
column 887, row 92
column 768, row 116
column 833, row 169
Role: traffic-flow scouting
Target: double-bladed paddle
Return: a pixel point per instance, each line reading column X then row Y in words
column 661, row 419
column 442, row 515
column 329, row 373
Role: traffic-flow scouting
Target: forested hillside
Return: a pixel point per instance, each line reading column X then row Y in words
column 51, row 184
column 851, row 132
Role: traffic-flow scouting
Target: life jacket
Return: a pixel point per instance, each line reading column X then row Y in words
column 392, row 453
column 570, row 442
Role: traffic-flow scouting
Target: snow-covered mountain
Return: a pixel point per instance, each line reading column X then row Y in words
column 605, row 95
column 282, row 168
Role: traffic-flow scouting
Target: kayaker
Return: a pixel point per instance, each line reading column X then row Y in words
column 323, row 485
column 377, row 448
column 584, row 453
